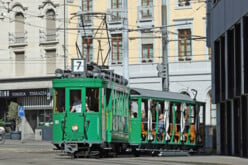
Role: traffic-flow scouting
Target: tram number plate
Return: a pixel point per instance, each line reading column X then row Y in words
column 78, row 65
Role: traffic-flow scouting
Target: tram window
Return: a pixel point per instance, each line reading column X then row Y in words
column 161, row 108
column 201, row 114
column 134, row 109
column 59, row 100
column 192, row 116
column 75, row 101
column 92, row 99
column 153, row 110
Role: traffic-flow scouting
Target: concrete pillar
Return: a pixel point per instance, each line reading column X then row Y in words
column 232, row 127
column 218, row 130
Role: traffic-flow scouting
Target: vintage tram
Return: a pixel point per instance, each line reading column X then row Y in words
column 95, row 113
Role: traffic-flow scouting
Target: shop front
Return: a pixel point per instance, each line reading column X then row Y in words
column 38, row 105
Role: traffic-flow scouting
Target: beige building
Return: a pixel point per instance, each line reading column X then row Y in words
column 31, row 48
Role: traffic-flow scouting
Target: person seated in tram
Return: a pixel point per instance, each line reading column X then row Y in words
column 143, row 126
column 161, row 126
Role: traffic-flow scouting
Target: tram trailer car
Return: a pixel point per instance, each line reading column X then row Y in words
column 182, row 120
column 93, row 116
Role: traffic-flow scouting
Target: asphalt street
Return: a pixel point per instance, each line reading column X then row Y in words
column 40, row 153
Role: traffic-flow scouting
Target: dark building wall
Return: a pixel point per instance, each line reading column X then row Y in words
column 228, row 38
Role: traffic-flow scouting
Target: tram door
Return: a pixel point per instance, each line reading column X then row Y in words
column 83, row 117
column 75, row 116
column 93, row 112
column 135, row 121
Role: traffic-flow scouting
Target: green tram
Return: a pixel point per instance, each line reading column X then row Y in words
column 97, row 114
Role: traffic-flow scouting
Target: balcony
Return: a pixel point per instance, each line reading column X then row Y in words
column 184, row 3
column 48, row 38
column 17, row 39
column 145, row 14
column 115, row 16
column 86, row 18
column 147, row 60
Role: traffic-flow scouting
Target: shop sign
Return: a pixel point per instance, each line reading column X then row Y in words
column 24, row 93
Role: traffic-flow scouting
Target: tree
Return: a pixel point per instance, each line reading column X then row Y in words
column 13, row 114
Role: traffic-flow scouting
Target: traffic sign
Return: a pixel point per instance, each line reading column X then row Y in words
column 21, row 112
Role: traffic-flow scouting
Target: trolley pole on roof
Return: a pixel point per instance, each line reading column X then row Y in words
column 165, row 63
column 125, row 41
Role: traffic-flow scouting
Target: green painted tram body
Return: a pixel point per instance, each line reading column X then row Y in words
column 106, row 125
column 112, row 124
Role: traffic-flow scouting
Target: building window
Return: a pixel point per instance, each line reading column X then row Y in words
column 50, row 61
column 183, row 3
column 184, row 44
column 19, row 28
column 116, row 49
column 19, row 66
column 116, row 4
column 88, row 49
column 146, row 9
column 147, row 2
column 44, row 118
column 87, row 5
column 116, row 14
column 147, row 53
column 50, row 26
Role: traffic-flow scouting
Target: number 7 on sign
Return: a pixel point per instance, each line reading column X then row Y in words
column 79, row 64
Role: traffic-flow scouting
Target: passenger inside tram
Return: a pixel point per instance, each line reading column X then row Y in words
column 161, row 128
column 92, row 100
column 76, row 104
column 143, row 126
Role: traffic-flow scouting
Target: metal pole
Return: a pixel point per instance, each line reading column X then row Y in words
column 64, row 38
column 125, row 41
column 165, row 79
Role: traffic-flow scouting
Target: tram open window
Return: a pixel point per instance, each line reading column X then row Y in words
column 75, row 101
column 134, row 109
column 92, row 100
column 144, row 119
column 59, row 100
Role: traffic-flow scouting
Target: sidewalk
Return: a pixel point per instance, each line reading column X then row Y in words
column 206, row 160
column 26, row 146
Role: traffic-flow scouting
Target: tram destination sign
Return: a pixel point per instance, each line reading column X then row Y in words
column 24, row 93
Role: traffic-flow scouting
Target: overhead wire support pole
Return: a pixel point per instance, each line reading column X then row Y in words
column 64, row 37
column 165, row 63
column 125, row 41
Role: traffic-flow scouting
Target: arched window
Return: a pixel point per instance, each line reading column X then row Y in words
column 50, row 25
column 19, row 28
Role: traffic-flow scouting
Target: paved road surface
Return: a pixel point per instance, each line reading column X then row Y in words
column 41, row 153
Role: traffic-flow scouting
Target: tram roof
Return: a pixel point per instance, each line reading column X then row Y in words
column 160, row 94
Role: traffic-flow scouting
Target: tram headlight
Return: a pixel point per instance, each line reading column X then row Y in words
column 74, row 128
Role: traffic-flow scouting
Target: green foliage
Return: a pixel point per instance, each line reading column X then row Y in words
column 13, row 111
column 13, row 114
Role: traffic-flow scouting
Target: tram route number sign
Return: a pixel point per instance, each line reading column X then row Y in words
column 78, row 65
column 21, row 112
